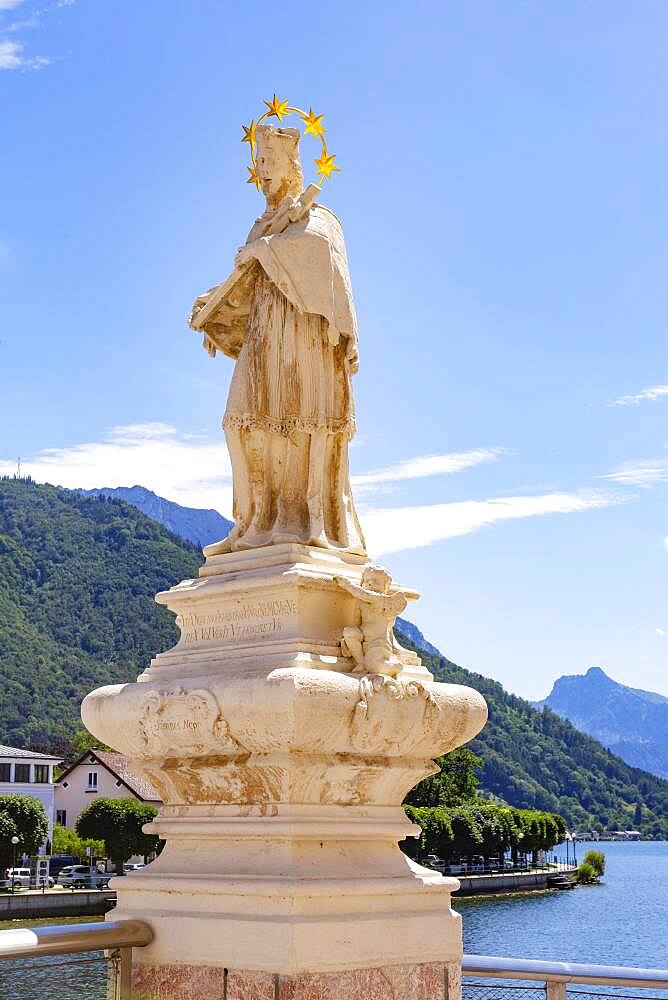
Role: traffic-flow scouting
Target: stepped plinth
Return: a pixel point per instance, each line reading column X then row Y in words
column 282, row 772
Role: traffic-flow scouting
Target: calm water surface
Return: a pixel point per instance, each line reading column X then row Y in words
column 56, row 977
column 623, row 921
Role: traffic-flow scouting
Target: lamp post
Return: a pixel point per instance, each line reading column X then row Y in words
column 14, row 842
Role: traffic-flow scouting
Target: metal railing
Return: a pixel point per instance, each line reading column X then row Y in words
column 119, row 937
column 554, row 977
column 116, row 937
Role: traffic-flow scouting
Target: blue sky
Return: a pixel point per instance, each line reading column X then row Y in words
column 500, row 188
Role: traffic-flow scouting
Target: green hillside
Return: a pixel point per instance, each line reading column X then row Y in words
column 537, row 760
column 77, row 580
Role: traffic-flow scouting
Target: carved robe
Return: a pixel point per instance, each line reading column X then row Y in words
column 290, row 411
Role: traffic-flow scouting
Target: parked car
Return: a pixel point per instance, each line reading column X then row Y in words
column 59, row 861
column 433, row 861
column 19, row 877
column 83, row 877
column 133, row 867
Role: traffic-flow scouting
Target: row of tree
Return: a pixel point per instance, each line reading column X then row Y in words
column 457, row 823
column 483, row 828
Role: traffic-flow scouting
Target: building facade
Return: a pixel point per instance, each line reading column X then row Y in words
column 98, row 773
column 23, row 772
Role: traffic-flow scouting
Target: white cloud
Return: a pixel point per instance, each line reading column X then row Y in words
column 192, row 471
column 12, row 57
column 428, row 465
column 10, row 54
column 400, row 528
column 645, row 472
column 10, row 4
column 660, row 632
column 653, row 393
column 180, row 467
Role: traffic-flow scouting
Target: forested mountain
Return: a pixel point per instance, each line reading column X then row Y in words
column 630, row 722
column 197, row 526
column 77, row 579
column 536, row 760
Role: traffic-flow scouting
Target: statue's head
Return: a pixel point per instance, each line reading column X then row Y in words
column 377, row 579
column 278, row 164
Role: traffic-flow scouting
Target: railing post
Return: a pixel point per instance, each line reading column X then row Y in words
column 125, row 975
column 555, row 990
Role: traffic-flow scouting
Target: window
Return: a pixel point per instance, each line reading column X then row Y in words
column 5, row 772
column 22, row 772
column 42, row 773
column 92, row 781
column 61, row 817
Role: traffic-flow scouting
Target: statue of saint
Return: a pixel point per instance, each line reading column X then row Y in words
column 286, row 315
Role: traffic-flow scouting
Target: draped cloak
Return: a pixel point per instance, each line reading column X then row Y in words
column 290, row 322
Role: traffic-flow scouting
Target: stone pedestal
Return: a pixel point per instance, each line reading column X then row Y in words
column 282, row 773
column 431, row 981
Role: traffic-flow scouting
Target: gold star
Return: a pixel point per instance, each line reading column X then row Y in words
column 253, row 179
column 277, row 108
column 326, row 164
column 313, row 123
column 249, row 133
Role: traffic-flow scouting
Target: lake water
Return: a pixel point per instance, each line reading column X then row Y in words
column 623, row 921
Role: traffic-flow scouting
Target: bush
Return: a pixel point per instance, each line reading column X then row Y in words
column 596, row 859
column 586, row 874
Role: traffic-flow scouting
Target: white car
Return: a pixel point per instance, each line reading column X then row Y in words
column 82, row 877
column 19, row 876
column 133, row 867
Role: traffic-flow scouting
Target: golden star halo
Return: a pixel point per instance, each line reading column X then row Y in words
column 276, row 108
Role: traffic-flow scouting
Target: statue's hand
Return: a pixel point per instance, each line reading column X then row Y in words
column 241, row 257
column 352, row 355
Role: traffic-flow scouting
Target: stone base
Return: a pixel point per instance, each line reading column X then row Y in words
column 429, row 981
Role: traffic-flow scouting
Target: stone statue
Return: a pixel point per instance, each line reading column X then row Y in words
column 370, row 642
column 285, row 726
column 286, row 315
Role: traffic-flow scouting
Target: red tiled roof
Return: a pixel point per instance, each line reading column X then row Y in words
column 121, row 766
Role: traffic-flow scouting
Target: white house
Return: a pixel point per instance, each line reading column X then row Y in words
column 98, row 773
column 23, row 772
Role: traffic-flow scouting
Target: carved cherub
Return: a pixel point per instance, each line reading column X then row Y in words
column 370, row 642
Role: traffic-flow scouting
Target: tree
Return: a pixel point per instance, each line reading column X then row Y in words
column 82, row 741
column 119, row 822
column 456, row 782
column 24, row 817
column 67, row 842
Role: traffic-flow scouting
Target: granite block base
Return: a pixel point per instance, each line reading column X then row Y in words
column 428, row 981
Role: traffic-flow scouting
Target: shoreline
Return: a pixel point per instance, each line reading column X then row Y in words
column 33, row 904
column 507, row 884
